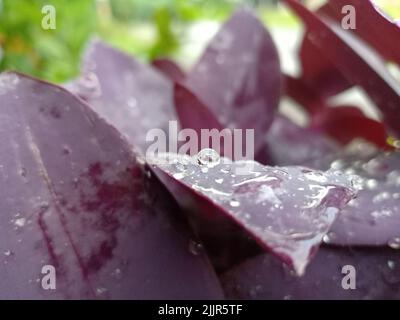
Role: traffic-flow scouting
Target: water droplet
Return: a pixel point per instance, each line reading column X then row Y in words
column 255, row 291
column 234, row 203
column 326, row 239
column 20, row 222
column 381, row 197
column 195, row 248
column 178, row 175
column 316, row 176
column 391, row 264
column 22, row 172
column 101, row 291
column 381, row 213
column 219, row 181
column 208, row 158
column 132, row 102
column 394, row 243
column 182, row 163
column 148, row 174
column 204, row 169
column 66, row 150
column 394, row 178
column 337, row 164
column 223, row 41
column 8, row 253
column 117, row 274
column 372, row 184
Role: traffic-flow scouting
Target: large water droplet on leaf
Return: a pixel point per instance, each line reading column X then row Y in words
column 208, row 158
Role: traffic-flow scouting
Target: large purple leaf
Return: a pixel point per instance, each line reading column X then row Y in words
column 133, row 97
column 238, row 76
column 75, row 196
column 377, row 276
column 372, row 25
column 286, row 210
column 358, row 63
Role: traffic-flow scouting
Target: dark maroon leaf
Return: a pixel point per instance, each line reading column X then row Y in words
column 372, row 25
column 133, row 97
column 169, row 68
column 344, row 123
column 303, row 94
column 377, row 276
column 193, row 114
column 75, row 196
column 319, row 72
column 238, row 76
column 286, row 210
column 358, row 63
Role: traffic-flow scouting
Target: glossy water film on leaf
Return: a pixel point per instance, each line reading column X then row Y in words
column 287, row 210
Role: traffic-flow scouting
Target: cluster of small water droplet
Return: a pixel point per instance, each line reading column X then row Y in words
column 283, row 206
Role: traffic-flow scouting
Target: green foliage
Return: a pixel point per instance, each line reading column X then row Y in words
column 146, row 28
column 49, row 54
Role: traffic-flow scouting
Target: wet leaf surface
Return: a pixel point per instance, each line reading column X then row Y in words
column 75, row 196
column 287, row 210
column 373, row 218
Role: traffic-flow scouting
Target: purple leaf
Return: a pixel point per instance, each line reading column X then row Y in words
column 192, row 113
column 133, row 97
column 358, row 63
column 169, row 68
column 373, row 218
column 290, row 144
column 377, row 276
column 342, row 123
column 298, row 90
column 319, row 72
column 286, row 210
column 372, row 25
column 75, row 196
column 345, row 123
column 238, row 76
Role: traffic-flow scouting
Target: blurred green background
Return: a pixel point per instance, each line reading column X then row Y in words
column 145, row 28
